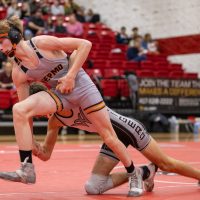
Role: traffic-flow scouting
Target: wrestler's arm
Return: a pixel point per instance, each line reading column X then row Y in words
column 67, row 45
column 20, row 81
column 44, row 151
column 66, row 83
column 72, row 58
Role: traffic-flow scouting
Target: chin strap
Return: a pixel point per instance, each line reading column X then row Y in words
column 10, row 53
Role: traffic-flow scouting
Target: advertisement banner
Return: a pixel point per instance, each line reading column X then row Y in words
column 169, row 95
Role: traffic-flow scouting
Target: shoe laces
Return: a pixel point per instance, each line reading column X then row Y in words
column 135, row 180
column 24, row 163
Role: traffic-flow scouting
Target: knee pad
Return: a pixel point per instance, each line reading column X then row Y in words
column 98, row 184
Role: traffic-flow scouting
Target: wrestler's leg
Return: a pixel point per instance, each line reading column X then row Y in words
column 100, row 179
column 166, row 163
column 37, row 104
column 101, row 121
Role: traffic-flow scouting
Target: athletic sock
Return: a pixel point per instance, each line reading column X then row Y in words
column 24, row 154
column 131, row 168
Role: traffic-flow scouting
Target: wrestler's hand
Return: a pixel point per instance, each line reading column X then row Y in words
column 66, row 84
column 40, row 151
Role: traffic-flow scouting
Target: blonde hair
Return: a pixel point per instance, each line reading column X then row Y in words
column 7, row 24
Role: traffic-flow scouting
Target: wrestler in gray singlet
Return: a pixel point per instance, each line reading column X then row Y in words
column 129, row 131
column 85, row 93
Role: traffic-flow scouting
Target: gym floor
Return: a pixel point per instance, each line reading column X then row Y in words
column 64, row 175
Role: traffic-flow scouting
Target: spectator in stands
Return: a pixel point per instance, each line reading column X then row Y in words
column 122, row 36
column 34, row 5
column 133, row 87
column 92, row 17
column 49, row 25
column 59, row 27
column 135, row 34
column 149, row 44
column 57, row 8
column 70, row 7
column 74, row 27
column 136, row 52
column 45, row 7
column 6, row 76
column 14, row 9
column 3, row 4
column 25, row 10
column 36, row 25
column 80, row 15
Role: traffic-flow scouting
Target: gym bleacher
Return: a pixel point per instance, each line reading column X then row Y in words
column 107, row 64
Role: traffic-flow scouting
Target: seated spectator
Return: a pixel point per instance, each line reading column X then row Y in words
column 35, row 5
column 45, row 7
column 92, row 17
column 6, row 76
column 59, row 27
column 134, row 35
column 149, row 44
column 14, row 9
column 122, row 36
column 74, row 27
column 36, row 25
column 80, row 15
column 70, row 7
column 57, row 9
column 136, row 52
column 3, row 4
column 25, row 10
column 49, row 25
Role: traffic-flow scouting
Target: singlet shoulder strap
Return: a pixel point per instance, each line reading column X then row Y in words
column 24, row 69
column 35, row 49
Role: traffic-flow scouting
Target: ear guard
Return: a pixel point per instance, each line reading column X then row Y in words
column 14, row 35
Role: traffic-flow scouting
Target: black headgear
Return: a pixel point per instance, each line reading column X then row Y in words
column 14, row 34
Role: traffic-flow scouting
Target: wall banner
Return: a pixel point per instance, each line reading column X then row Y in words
column 169, row 95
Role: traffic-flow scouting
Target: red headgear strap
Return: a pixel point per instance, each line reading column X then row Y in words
column 3, row 35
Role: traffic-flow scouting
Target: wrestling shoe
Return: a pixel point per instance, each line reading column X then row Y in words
column 135, row 183
column 25, row 174
column 149, row 182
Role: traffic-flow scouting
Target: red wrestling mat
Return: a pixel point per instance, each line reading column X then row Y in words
column 63, row 177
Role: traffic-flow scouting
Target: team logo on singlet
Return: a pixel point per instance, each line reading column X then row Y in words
column 52, row 73
column 82, row 120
